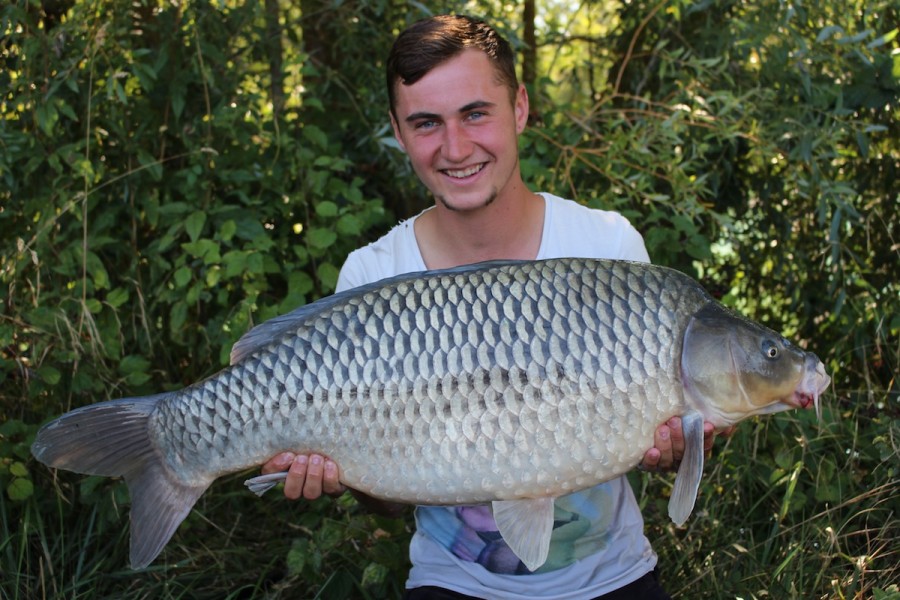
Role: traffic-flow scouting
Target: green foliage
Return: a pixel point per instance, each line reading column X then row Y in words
column 170, row 176
column 14, row 458
column 158, row 208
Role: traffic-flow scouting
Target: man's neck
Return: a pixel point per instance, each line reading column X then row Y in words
column 508, row 228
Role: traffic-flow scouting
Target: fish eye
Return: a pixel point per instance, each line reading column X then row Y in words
column 770, row 349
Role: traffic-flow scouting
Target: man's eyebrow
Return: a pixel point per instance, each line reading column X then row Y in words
column 422, row 116
column 427, row 116
column 476, row 105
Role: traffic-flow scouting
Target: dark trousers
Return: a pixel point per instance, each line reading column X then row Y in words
column 645, row 588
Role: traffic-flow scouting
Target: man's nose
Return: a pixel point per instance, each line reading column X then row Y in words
column 457, row 146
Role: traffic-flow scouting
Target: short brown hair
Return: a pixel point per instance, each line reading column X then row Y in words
column 428, row 43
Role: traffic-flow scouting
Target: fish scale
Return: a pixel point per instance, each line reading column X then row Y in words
column 508, row 382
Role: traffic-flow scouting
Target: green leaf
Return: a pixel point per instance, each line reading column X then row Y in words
column 12, row 427
column 97, row 271
column 65, row 109
column 117, row 297
column 177, row 317
column 213, row 276
column 18, row 469
column 151, row 164
column 349, row 225
column 255, row 263
column 136, row 379
column 20, row 489
column 315, row 135
column 182, row 276
column 133, row 363
column 229, row 228
column 120, row 91
column 374, row 575
column 296, row 557
column 328, row 276
column 47, row 117
column 193, row 294
column 235, row 262
column 194, row 224
column 300, row 282
column 49, row 374
column 321, row 238
column 206, row 249
column 326, row 209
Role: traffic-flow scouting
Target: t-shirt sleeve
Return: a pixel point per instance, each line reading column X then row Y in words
column 632, row 245
column 353, row 273
column 572, row 229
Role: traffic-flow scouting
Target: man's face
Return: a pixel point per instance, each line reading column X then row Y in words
column 460, row 131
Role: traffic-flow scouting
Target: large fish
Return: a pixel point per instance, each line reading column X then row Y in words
column 511, row 383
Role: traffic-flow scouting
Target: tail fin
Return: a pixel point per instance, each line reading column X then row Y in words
column 113, row 439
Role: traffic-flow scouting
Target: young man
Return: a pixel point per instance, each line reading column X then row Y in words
column 457, row 111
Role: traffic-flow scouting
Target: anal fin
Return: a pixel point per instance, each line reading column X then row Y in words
column 526, row 526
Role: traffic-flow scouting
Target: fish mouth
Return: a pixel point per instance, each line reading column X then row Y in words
column 814, row 383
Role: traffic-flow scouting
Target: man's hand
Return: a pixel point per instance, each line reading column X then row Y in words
column 309, row 476
column 669, row 445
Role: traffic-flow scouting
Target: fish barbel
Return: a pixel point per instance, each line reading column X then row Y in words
column 510, row 383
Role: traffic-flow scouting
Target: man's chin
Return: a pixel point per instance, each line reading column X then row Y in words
column 465, row 206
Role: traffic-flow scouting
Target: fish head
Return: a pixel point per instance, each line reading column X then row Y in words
column 733, row 368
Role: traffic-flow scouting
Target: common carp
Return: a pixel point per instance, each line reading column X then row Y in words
column 510, row 383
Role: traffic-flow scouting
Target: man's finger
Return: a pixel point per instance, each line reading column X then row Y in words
column 293, row 485
column 277, row 463
column 331, row 482
column 651, row 460
column 709, row 437
column 662, row 439
column 312, row 488
column 677, row 440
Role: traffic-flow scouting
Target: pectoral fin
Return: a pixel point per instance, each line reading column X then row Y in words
column 687, row 482
column 261, row 484
column 526, row 526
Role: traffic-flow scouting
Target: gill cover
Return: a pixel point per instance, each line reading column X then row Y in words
column 733, row 368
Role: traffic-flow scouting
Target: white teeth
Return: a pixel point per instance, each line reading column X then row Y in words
column 464, row 172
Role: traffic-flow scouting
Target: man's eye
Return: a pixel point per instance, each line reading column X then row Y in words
column 474, row 116
column 426, row 124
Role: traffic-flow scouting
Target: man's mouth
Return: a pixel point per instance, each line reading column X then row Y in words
column 463, row 173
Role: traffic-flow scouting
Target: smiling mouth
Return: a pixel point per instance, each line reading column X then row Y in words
column 463, row 173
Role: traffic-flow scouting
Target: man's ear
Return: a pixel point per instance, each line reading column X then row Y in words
column 521, row 109
column 396, row 129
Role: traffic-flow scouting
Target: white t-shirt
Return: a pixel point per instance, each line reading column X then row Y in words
column 598, row 543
